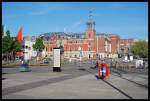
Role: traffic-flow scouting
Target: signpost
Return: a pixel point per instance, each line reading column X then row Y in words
column 56, row 60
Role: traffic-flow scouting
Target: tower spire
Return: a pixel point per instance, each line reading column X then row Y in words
column 90, row 22
column 90, row 14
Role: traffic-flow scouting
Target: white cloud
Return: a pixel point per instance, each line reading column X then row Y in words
column 72, row 27
column 47, row 9
column 38, row 12
column 76, row 25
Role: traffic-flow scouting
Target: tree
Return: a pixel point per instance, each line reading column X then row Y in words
column 7, row 43
column 140, row 49
column 16, row 47
column 10, row 46
column 38, row 46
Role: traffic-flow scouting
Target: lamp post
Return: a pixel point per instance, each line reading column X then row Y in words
column 106, row 49
column 80, row 55
column 89, row 47
column 61, row 51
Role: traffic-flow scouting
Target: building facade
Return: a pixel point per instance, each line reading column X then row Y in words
column 125, row 45
column 88, row 45
column 28, row 47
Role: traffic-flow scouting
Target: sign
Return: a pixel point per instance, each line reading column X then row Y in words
column 105, row 70
column 56, row 57
column 131, row 58
column 126, row 58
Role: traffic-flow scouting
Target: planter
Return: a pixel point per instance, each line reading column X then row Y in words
column 24, row 68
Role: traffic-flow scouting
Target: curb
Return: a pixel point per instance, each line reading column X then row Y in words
column 11, row 66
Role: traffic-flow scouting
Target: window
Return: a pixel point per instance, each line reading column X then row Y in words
column 89, row 49
column 89, row 35
column 75, row 48
column 70, row 48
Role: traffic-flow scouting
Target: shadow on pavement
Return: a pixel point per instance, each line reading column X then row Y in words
column 3, row 78
column 81, row 69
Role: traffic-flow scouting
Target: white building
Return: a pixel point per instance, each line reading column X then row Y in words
column 28, row 49
column 3, row 31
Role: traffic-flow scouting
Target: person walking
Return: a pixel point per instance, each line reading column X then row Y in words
column 96, row 65
column 110, row 65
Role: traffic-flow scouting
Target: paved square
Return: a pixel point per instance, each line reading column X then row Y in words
column 71, row 83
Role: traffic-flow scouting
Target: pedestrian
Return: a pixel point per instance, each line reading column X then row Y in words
column 75, row 61
column 115, row 64
column 97, row 64
column 110, row 65
column 143, row 64
column 80, row 60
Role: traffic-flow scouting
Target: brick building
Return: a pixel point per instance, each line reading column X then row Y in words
column 89, row 44
column 125, row 45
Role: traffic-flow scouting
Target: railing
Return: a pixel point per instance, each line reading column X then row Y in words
column 128, row 67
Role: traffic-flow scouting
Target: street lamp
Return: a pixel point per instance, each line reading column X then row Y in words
column 90, row 55
column 106, row 49
column 80, row 55
column 61, row 51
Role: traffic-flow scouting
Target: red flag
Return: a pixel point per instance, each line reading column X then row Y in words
column 19, row 36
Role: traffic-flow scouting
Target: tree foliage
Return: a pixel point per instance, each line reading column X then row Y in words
column 7, row 43
column 16, row 46
column 140, row 49
column 10, row 46
column 38, row 46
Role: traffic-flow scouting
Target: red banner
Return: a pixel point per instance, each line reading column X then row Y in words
column 19, row 36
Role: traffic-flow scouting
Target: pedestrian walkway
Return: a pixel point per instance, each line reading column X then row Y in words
column 84, row 87
column 71, row 83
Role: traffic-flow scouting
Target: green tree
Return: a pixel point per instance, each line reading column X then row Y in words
column 7, row 43
column 15, row 48
column 140, row 49
column 10, row 46
column 38, row 46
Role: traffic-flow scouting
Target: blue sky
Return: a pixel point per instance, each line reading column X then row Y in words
column 127, row 19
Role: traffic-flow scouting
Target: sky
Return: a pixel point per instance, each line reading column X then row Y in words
column 126, row 19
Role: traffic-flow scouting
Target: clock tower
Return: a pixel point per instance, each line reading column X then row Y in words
column 90, row 31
